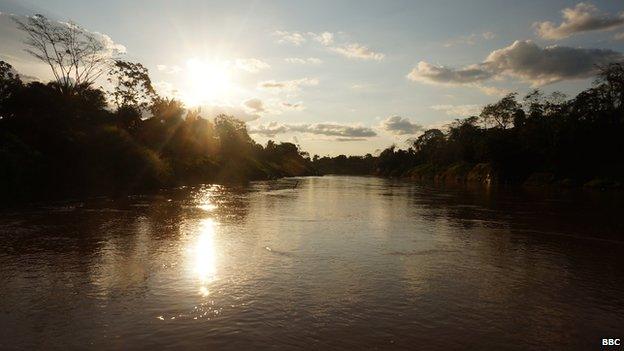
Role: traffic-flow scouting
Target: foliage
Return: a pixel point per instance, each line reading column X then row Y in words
column 132, row 85
column 573, row 140
column 54, row 144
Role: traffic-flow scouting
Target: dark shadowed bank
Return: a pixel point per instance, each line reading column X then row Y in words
column 57, row 142
column 541, row 140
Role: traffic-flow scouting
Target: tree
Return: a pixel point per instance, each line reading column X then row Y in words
column 9, row 83
column 502, row 113
column 76, row 56
column 612, row 77
column 429, row 140
column 132, row 85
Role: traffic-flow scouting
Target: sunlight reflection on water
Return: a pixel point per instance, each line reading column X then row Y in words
column 204, row 255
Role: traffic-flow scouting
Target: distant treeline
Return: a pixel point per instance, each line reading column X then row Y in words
column 56, row 141
column 541, row 140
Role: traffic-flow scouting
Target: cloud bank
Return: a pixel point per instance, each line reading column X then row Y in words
column 358, row 51
column 584, row 17
column 524, row 60
column 344, row 132
column 251, row 65
column 398, row 125
column 287, row 85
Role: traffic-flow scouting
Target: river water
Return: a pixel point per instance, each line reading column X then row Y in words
column 316, row 263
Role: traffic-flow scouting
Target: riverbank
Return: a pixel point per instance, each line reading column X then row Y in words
column 486, row 174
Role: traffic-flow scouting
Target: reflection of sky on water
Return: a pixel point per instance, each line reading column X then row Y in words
column 313, row 263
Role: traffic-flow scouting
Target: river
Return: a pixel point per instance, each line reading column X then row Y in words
column 316, row 263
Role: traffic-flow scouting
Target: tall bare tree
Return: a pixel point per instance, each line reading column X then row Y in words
column 75, row 55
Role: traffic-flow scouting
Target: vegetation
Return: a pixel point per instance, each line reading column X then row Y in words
column 543, row 139
column 57, row 140
column 68, row 138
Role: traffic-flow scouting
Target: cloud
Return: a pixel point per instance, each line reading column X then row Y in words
column 619, row 36
column 529, row 62
column 254, row 105
column 211, row 111
column 343, row 132
column 400, row 126
column 458, row 110
column 169, row 69
column 349, row 50
column 584, row 17
column 304, row 61
column 469, row 39
column 325, row 38
column 271, row 106
column 287, row 85
column 428, row 73
column 488, row 35
column 492, row 91
column 111, row 48
column 167, row 89
column 334, row 129
column 297, row 106
column 349, row 139
column 270, row 129
column 358, row 51
column 524, row 60
column 251, row 65
column 294, row 38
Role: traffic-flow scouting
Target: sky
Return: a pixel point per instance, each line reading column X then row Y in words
column 342, row 77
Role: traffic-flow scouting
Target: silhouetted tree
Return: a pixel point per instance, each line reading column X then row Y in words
column 132, row 86
column 503, row 113
column 75, row 56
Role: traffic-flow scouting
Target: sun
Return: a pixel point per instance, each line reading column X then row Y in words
column 207, row 82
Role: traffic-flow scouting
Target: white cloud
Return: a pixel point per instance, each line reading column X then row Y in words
column 271, row 106
column 296, row 106
column 492, row 91
column 458, row 110
column 294, row 38
column 584, row 17
column 211, row 111
column 112, row 48
column 358, row 51
column 400, row 126
column 251, row 65
column 342, row 132
column 166, row 89
column 169, row 69
column 304, row 61
column 254, row 105
column 270, row 129
column 325, row 38
column 524, row 60
column 488, row 35
column 529, row 62
column 428, row 73
column 287, row 85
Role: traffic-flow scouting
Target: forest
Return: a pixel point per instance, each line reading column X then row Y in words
column 56, row 141
column 539, row 140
